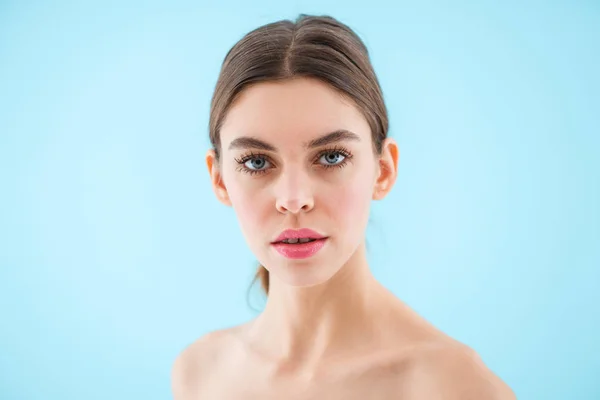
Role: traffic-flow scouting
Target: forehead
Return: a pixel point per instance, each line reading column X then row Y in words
column 292, row 110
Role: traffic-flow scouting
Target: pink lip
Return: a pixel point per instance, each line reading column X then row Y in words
column 298, row 234
column 300, row 250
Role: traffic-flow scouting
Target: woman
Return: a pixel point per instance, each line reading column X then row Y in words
column 299, row 129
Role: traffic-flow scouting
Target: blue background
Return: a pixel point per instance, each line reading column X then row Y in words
column 115, row 254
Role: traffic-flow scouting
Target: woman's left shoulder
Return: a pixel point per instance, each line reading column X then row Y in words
column 453, row 370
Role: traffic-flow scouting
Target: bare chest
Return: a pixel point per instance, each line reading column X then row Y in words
column 347, row 390
column 249, row 382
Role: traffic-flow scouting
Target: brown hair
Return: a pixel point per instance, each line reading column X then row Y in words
column 318, row 47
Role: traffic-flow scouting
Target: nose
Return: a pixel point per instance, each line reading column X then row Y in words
column 294, row 194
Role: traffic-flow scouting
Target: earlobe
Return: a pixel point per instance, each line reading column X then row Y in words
column 216, row 178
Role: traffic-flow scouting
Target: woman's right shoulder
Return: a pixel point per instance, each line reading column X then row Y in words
column 192, row 364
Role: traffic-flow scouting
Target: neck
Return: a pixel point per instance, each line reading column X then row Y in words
column 306, row 324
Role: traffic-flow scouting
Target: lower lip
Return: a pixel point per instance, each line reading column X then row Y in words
column 301, row 250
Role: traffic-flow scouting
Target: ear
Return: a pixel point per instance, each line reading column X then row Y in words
column 216, row 178
column 388, row 169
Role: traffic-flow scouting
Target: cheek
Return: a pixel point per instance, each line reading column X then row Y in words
column 250, row 204
column 350, row 203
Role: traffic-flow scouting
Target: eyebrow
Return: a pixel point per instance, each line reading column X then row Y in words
column 249, row 142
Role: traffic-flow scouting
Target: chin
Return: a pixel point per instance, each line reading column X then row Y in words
column 303, row 282
column 303, row 274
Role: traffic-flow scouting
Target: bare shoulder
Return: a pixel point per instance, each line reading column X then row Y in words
column 454, row 371
column 192, row 365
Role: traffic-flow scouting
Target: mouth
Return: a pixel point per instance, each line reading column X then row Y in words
column 295, row 236
column 298, row 241
column 299, row 248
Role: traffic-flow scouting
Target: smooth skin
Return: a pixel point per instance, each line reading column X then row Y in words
column 329, row 330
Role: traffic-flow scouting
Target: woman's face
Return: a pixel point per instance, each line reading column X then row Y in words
column 289, row 184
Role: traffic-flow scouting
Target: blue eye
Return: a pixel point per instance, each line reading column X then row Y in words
column 258, row 161
column 336, row 155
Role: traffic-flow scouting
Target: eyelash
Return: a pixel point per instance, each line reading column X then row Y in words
column 340, row 150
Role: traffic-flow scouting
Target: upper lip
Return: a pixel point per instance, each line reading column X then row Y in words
column 298, row 234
